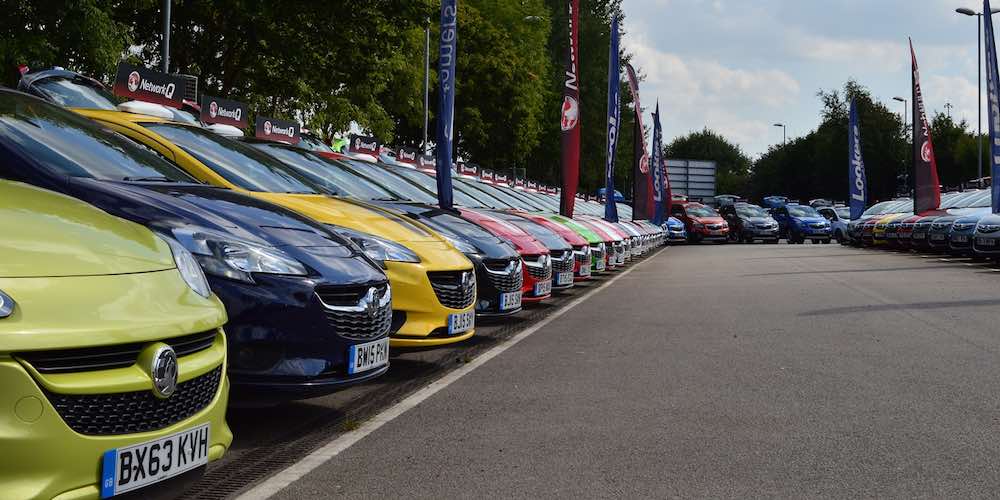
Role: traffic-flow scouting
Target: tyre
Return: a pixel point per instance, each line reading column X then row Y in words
column 839, row 236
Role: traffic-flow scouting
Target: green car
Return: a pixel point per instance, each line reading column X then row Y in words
column 112, row 354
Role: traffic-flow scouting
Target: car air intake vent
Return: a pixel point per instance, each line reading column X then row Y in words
column 343, row 296
column 359, row 313
column 135, row 412
column 454, row 289
column 109, row 357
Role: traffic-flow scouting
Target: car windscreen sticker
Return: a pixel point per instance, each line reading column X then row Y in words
column 408, row 155
column 362, row 144
column 141, row 84
column 500, row 178
column 224, row 111
column 273, row 129
column 468, row 169
column 427, row 162
column 486, row 176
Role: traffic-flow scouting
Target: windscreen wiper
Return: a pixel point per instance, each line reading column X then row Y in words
column 147, row 179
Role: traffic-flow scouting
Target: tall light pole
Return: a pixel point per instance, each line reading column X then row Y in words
column 784, row 138
column 166, row 36
column 905, row 108
column 979, row 76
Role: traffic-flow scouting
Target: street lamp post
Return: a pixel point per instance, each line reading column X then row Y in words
column 166, row 37
column 905, row 108
column 979, row 76
column 784, row 137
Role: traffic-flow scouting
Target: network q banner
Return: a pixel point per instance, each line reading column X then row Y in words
column 363, row 144
column 224, row 111
column 273, row 129
column 141, row 84
column 409, row 156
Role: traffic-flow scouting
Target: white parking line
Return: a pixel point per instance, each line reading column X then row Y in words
column 279, row 481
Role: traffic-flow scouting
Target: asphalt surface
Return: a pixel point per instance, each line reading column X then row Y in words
column 719, row 371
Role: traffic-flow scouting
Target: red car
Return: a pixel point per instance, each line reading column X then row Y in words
column 702, row 223
column 537, row 268
column 581, row 248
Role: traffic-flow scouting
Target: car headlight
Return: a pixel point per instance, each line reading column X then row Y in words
column 224, row 256
column 462, row 246
column 378, row 249
column 6, row 305
column 187, row 265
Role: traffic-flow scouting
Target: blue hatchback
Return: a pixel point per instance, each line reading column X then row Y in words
column 799, row 223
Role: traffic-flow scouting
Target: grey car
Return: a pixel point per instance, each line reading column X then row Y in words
column 749, row 223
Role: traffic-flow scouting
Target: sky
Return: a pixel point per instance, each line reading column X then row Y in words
column 740, row 66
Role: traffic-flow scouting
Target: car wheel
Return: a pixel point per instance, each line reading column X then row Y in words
column 839, row 236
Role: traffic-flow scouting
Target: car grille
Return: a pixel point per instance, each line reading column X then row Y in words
column 583, row 256
column 597, row 251
column 962, row 227
column 539, row 266
column 715, row 226
column 110, row 357
column 819, row 225
column 135, row 412
column 507, row 278
column 359, row 312
column 988, row 228
column 940, row 225
column 563, row 264
column 454, row 289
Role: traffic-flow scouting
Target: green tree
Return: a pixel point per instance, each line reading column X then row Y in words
column 81, row 34
column 816, row 165
column 732, row 164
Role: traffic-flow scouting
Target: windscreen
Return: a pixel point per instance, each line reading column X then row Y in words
column 325, row 174
column 702, row 211
column 399, row 186
column 76, row 93
column 802, row 211
column 236, row 162
column 63, row 141
column 843, row 213
column 430, row 184
column 750, row 211
column 312, row 143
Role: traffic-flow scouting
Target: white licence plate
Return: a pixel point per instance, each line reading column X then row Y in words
column 132, row 467
column 600, row 265
column 986, row 242
column 364, row 357
column 919, row 236
column 564, row 278
column 584, row 271
column 960, row 238
column 937, row 237
column 461, row 322
column 543, row 288
column 510, row 300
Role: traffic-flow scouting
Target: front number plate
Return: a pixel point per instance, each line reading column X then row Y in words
column 510, row 300
column 564, row 278
column 584, row 271
column 132, row 467
column 461, row 322
column 986, row 242
column 368, row 356
column 960, row 238
column 599, row 265
column 543, row 288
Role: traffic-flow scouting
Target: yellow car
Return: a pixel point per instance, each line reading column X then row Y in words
column 879, row 231
column 112, row 355
column 433, row 284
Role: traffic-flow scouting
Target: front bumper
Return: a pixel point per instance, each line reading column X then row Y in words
column 987, row 244
column 422, row 317
column 493, row 280
column 43, row 457
column 535, row 276
column 283, row 342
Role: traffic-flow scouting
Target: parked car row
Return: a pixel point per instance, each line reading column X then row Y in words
column 742, row 222
column 963, row 225
column 150, row 260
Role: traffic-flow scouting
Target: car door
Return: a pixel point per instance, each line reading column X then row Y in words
column 781, row 215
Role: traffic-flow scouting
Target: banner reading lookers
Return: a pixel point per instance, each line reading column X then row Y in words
column 614, row 119
column 141, row 84
column 993, row 105
column 447, row 55
column 273, row 129
column 856, row 166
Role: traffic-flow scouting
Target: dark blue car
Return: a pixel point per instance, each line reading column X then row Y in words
column 799, row 223
column 303, row 303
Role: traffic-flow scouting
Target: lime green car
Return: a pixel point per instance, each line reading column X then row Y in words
column 112, row 354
